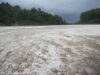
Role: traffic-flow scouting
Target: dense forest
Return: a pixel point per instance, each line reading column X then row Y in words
column 14, row 15
column 90, row 17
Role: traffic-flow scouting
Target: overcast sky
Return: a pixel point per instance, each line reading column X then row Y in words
column 69, row 9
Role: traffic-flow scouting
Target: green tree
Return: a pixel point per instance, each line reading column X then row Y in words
column 14, row 15
column 90, row 16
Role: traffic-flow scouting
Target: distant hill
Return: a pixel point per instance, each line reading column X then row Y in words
column 14, row 15
column 90, row 17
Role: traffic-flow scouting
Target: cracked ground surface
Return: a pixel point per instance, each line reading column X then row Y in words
column 50, row 50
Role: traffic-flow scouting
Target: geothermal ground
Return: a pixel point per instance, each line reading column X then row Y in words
column 50, row 50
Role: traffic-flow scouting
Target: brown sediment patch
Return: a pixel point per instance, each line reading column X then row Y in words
column 41, row 60
column 67, row 36
column 1, row 50
column 8, row 54
column 20, row 63
column 92, row 44
column 38, row 66
column 54, row 70
column 96, row 37
column 44, row 51
column 69, row 51
column 64, row 60
column 52, row 42
column 72, row 43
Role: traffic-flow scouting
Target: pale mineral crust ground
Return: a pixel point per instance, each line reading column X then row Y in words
column 50, row 50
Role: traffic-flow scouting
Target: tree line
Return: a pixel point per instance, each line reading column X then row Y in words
column 15, row 15
column 90, row 17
